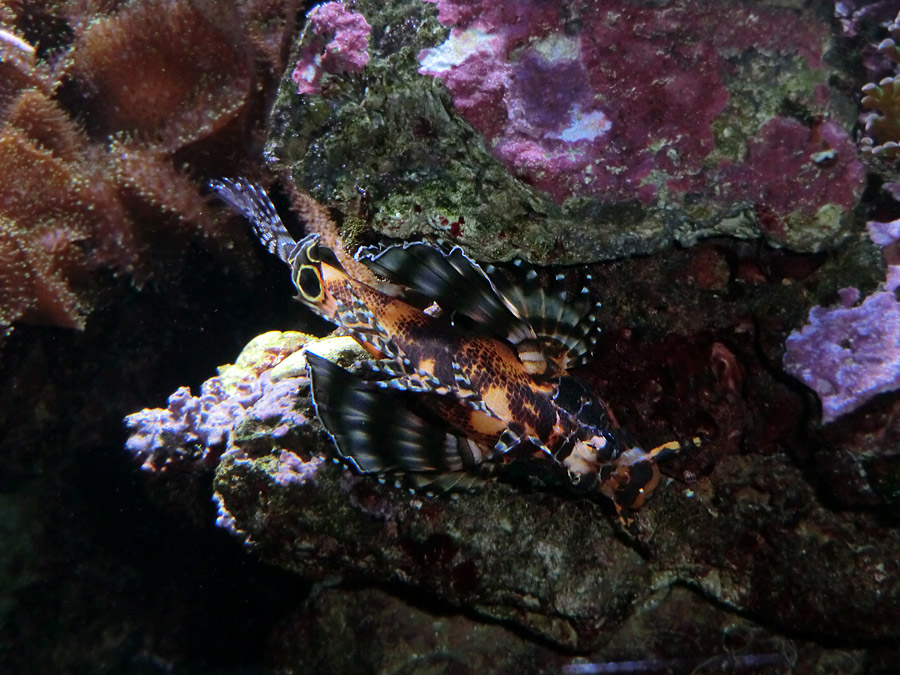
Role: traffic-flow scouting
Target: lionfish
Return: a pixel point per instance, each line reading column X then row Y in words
column 448, row 397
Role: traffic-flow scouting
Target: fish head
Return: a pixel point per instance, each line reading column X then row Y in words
column 591, row 448
column 314, row 271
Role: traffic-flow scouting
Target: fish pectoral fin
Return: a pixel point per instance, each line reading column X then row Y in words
column 564, row 323
column 414, row 384
column 541, row 447
column 380, row 368
column 378, row 431
column 450, row 481
column 449, row 277
column 401, row 375
column 551, row 328
column 357, row 321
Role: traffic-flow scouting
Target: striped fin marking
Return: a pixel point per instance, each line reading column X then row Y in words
column 385, row 368
column 401, row 375
column 452, row 279
column 452, row 481
column 510, row 439
column 512, row 302
column 565, row 326
column 359, row 321
column 254, row 204
column 413, row 383
column 378, row 432
column 462, row 383
column 470, row 419
column 305, row 257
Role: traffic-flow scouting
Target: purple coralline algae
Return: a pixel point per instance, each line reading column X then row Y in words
column 884, row 234
column 602, row 128
column 850, row 354
column 853, row 13
column 617, row 99
column 196, row 430
column 793, row 172
column 336, row 41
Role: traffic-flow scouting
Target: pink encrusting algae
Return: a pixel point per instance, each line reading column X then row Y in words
column 336, row 43
column 620, row 101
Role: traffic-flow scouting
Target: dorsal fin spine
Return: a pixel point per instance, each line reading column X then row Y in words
column 254, row 204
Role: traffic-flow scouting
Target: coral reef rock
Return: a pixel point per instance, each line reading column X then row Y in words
column 850, row 354
column 745, row 533
column 579, row 132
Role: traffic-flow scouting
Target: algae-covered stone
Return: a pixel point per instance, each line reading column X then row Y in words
column 261, row 353
column 547, row 132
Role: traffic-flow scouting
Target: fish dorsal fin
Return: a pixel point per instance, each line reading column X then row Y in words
column 254, row 204
column 379, row 432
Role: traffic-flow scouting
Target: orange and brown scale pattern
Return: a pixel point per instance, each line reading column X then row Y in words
column 502, row 383
column 434, row 347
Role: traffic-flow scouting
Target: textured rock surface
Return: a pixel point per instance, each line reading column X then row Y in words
column 584, row 133
column 748, row 536
column 754, row 522
column 337, row 629
column 748, row 521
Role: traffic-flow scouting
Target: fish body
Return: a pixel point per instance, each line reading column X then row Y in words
column 449, row 396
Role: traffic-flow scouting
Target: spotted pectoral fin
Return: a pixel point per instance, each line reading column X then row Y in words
column 399, row 374
column 414, row 384
column 379, row 431
column 450, row 278
column 565, row 323
column 356, row 320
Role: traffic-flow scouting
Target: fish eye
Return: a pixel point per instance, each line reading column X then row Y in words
column 309, row 283
column 582, row 483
